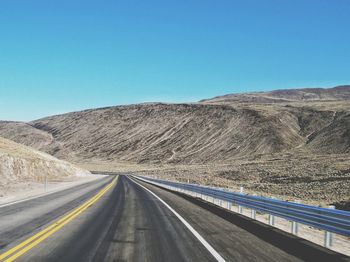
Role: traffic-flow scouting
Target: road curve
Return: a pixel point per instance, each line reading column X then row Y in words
column 128, row 223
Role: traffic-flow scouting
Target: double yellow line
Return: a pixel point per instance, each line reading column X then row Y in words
column 33, row 241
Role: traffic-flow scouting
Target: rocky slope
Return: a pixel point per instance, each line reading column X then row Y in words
column 169, row 133
column 190, row 133
column 19, row 163
column 337, row 93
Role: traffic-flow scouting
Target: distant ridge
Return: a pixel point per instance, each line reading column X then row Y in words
column 337, row 93
column 214, row 130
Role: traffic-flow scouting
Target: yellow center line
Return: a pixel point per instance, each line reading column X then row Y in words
column 11, row 251
column 33, row 241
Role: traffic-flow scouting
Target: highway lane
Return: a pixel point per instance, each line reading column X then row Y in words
column 128, row 223
column 19, row 220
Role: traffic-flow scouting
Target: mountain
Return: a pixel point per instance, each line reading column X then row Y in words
column 19, row 163
column 24, row 133
column 337, row 93
column 181, row 133
column 204, row 132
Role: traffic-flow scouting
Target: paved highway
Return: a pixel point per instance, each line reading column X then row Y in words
column 121, row 219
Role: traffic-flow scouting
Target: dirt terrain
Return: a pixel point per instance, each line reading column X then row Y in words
column 290, row 143
column 21, row 166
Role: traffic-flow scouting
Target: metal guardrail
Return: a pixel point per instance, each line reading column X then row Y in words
column 330, row 220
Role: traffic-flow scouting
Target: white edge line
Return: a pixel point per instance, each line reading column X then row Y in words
column 212, row 251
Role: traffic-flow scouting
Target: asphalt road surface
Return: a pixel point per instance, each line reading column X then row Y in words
column 119, row 219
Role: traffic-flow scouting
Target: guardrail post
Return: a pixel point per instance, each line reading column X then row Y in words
column 253, row 211
column 272, row 217
column 328, row 236
column 253, row 214
column 229, row 205
column 240, row 208
column 295, row 226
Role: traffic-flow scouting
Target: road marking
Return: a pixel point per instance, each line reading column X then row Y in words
column 212, row 251
column 33, row 241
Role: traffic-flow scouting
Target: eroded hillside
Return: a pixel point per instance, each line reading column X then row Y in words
column 184, row 133
column 338, row 93
column 19, row 163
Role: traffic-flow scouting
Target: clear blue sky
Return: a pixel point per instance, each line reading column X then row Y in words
column 67, row 55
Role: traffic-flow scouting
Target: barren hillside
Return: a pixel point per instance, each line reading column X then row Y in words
column 338, row 93
column 24, row 133
column 19, row 163
column 163, row 133
column 182, row 133
column 185, row 133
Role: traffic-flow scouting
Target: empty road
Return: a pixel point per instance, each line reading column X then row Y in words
column 122, row 219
